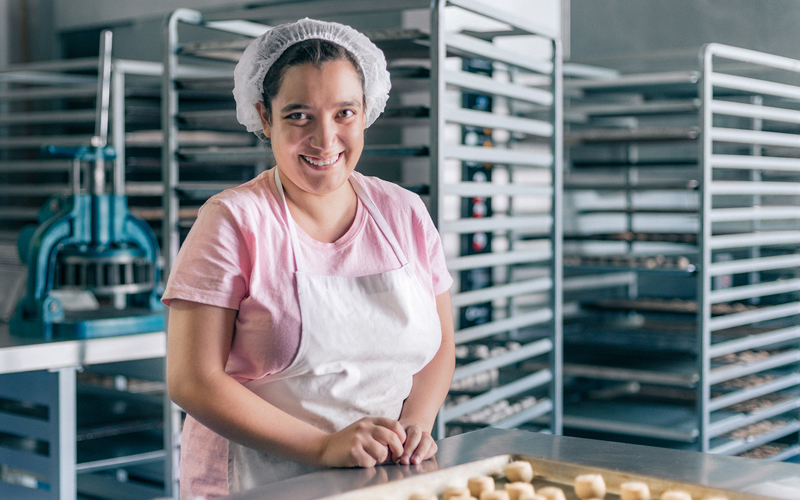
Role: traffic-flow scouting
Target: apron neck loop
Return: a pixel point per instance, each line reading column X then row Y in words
column 368, row 204
column 289, row 222
column 376, row 214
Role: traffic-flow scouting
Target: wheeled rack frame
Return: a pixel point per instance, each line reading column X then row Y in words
column 524, row 128
column 685, row 188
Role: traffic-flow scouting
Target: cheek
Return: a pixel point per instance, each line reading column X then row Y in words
column 288, row 137
column 355, row 134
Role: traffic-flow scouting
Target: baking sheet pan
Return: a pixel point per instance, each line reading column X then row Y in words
column 548, row 473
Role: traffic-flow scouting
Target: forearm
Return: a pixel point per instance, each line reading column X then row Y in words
column 198, row 345
column 432, row 382
column 231, row 410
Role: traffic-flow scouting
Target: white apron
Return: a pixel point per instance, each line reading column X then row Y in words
column 362, row 340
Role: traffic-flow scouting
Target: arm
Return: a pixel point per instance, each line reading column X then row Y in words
column 199, row 342
column 429, row 390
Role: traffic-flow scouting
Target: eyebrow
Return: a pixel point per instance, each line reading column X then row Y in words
column 292, row 107
column 348, row 104
column 343, row 104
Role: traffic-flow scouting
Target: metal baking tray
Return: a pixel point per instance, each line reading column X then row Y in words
column 548, row 473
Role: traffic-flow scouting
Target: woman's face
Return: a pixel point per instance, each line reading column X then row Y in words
column 317, row 125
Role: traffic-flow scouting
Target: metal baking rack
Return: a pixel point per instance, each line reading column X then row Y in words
column 52, row 104
column 42, row 104
column 510, row 197
column 688, row 182
column 408, row 145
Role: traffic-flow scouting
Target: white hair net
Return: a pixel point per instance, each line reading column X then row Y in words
column 262, row 53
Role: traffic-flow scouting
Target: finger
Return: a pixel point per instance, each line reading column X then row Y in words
column 427, row 447
column 362, row 457
column 432, row 450
column 412, row 442
column 392, row 425
column 388, row 438
column 377, row 450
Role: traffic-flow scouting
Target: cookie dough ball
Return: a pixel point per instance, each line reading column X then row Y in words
column 479, row 484
column 494, row 495
column 518, row 490
column 519, row 471
column 634, row 490
column 422, row 496
column 552, row 493
column 525, row 496
column 676, row 495
column 590, row 486
column 455, row 491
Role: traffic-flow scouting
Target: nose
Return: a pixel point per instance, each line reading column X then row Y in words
column 323, row 136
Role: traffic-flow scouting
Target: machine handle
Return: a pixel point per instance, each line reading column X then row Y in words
column 100, row 138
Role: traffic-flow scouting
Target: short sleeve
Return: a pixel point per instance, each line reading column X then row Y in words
column 442, row 281
column 213, row 265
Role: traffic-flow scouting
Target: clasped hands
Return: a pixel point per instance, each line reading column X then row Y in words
column 375, row 440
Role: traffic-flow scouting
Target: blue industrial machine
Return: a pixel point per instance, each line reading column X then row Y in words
column 93, row 267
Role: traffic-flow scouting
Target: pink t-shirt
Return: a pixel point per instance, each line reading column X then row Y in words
column 238, row 255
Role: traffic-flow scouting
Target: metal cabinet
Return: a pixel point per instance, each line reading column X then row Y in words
column 499, row 182
column 681, row 256
column 81, row 417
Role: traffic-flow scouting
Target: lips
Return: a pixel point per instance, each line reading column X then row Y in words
column 321, row 162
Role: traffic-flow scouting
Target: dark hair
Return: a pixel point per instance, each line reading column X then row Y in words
column 314, row 51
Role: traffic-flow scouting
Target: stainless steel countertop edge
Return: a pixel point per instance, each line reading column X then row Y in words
column 19, row 354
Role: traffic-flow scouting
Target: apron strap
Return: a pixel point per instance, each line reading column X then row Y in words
column 291, row 223
column 376, row 214
column 368, row 203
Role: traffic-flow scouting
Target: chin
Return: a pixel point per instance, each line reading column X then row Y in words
column 326, row 182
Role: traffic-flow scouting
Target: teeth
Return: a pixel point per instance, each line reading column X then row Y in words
column 320, row 163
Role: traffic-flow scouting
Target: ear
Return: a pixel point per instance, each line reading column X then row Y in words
column 266, row 126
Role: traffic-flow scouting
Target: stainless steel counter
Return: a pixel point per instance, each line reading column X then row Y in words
column 779, row 480
column 19, row 354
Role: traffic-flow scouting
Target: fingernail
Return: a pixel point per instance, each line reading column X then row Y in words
column 415, row 459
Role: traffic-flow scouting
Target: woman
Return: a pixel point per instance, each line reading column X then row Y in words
column 310, row 319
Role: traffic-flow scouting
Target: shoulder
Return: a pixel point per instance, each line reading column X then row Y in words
column 393, row 197
column 254, row 191
column 404, row 211
column 245, row 203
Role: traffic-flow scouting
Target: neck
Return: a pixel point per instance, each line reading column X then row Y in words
column 324, row 217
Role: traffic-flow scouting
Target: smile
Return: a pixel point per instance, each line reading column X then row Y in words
column 321, row 162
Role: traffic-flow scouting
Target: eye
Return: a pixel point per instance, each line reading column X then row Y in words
column 347, row 113
column 296, row 116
